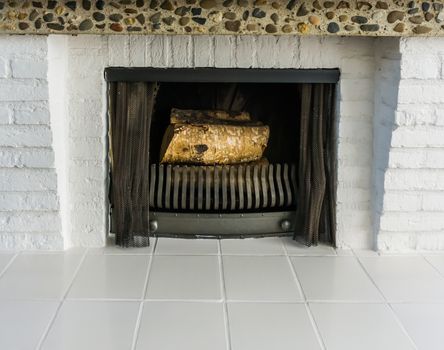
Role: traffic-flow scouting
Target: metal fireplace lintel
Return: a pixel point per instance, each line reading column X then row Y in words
column 222, row 225
column 221, row 75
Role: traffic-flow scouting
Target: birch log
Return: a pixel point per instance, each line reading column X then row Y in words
column 211, row 144
column 207, row 117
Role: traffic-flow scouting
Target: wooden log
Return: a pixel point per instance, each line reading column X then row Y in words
column 211, row 144
column 208, row 117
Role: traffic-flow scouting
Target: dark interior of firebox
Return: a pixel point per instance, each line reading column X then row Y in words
column 274, row 104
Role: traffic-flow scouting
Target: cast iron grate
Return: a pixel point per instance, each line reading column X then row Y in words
column 227, row 188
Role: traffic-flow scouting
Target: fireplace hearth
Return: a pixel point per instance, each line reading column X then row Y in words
column 289, row 189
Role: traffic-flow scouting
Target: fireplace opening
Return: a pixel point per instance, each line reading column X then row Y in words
column 218, row 153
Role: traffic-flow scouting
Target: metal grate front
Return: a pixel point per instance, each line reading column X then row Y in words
column 230, row 188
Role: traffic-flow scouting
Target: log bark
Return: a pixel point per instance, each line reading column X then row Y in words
column 208, row 117
column 211, row 144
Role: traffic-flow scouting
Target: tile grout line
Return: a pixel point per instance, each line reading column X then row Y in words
column 430, row 263
column 224, row 296
column 142, row 301
column 307, row 308
column 11, row 260
column 61, row 301
column 389, row 306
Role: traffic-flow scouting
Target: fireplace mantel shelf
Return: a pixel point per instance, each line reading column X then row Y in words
column 342, row 18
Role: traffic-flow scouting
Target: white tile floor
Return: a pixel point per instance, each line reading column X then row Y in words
column 237, row 294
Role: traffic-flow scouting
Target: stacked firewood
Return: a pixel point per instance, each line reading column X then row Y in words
column 213, row 137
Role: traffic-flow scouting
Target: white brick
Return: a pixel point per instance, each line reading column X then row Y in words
column 181, row 48
column 137, row 51
column 224, row 51
column 414, row 179
column 426, row 158
column 356, row 109
column 245, row 51
column 31, row 241
column 356, row 89
column 3, row 68
column 25, row 136
column 418, row 137
column 266, row 51
column 5, row 115
column 415, row 45
column 354, row 177
column 287, row 55
column 92, row 200
column 411, row 222
column 27, row 180
column 26, row 157
column 30, row 222
column 417, row 115
column 29, row 201
column 389, row 68
column 203, row 50
column 31, row 115
column 361, row 131
column 156, row 51
column 402, row 201
column 357, row 67
column 433, row 201
column 87, row 125
column 88, row 42
column 86, row 148
column 87, row 170
column 86, row 65
column 85, row 88
column 413, row 92
column 23, row 90
column 33, row 46
column 118, row 53
column 29, row 68
column 421, row 66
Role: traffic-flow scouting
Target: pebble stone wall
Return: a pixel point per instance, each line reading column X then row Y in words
column 311, row 17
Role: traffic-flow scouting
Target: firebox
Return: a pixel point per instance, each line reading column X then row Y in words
column 222, row 153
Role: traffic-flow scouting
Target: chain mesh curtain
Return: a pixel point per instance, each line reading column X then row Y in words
column 317, row 176
column 130, row 112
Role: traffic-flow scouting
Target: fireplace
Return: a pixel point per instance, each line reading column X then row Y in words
column 285, row 186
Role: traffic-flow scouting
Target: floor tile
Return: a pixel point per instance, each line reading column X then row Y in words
column 259, row 278
column 5, row 258
column 93, row 325
column 23, row 322
column 176, row 246
column 359, row 326
column 265, row 326
column 295, row 248
column 113, row 249
column 253, row 246
column 182, row 325
column 437, row 261
column 334, row 278
column 184, row 277
column 424, row 323
column 111, row 277
column 405, row 278
column 39, row 276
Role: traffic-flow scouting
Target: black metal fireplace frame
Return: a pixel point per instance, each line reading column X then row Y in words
column 221, row 75
column 220, row 225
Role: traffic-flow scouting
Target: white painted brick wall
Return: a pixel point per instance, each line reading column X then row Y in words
column 391, row 112
column 85, row 95
column 412, row 214
column 29, row 205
